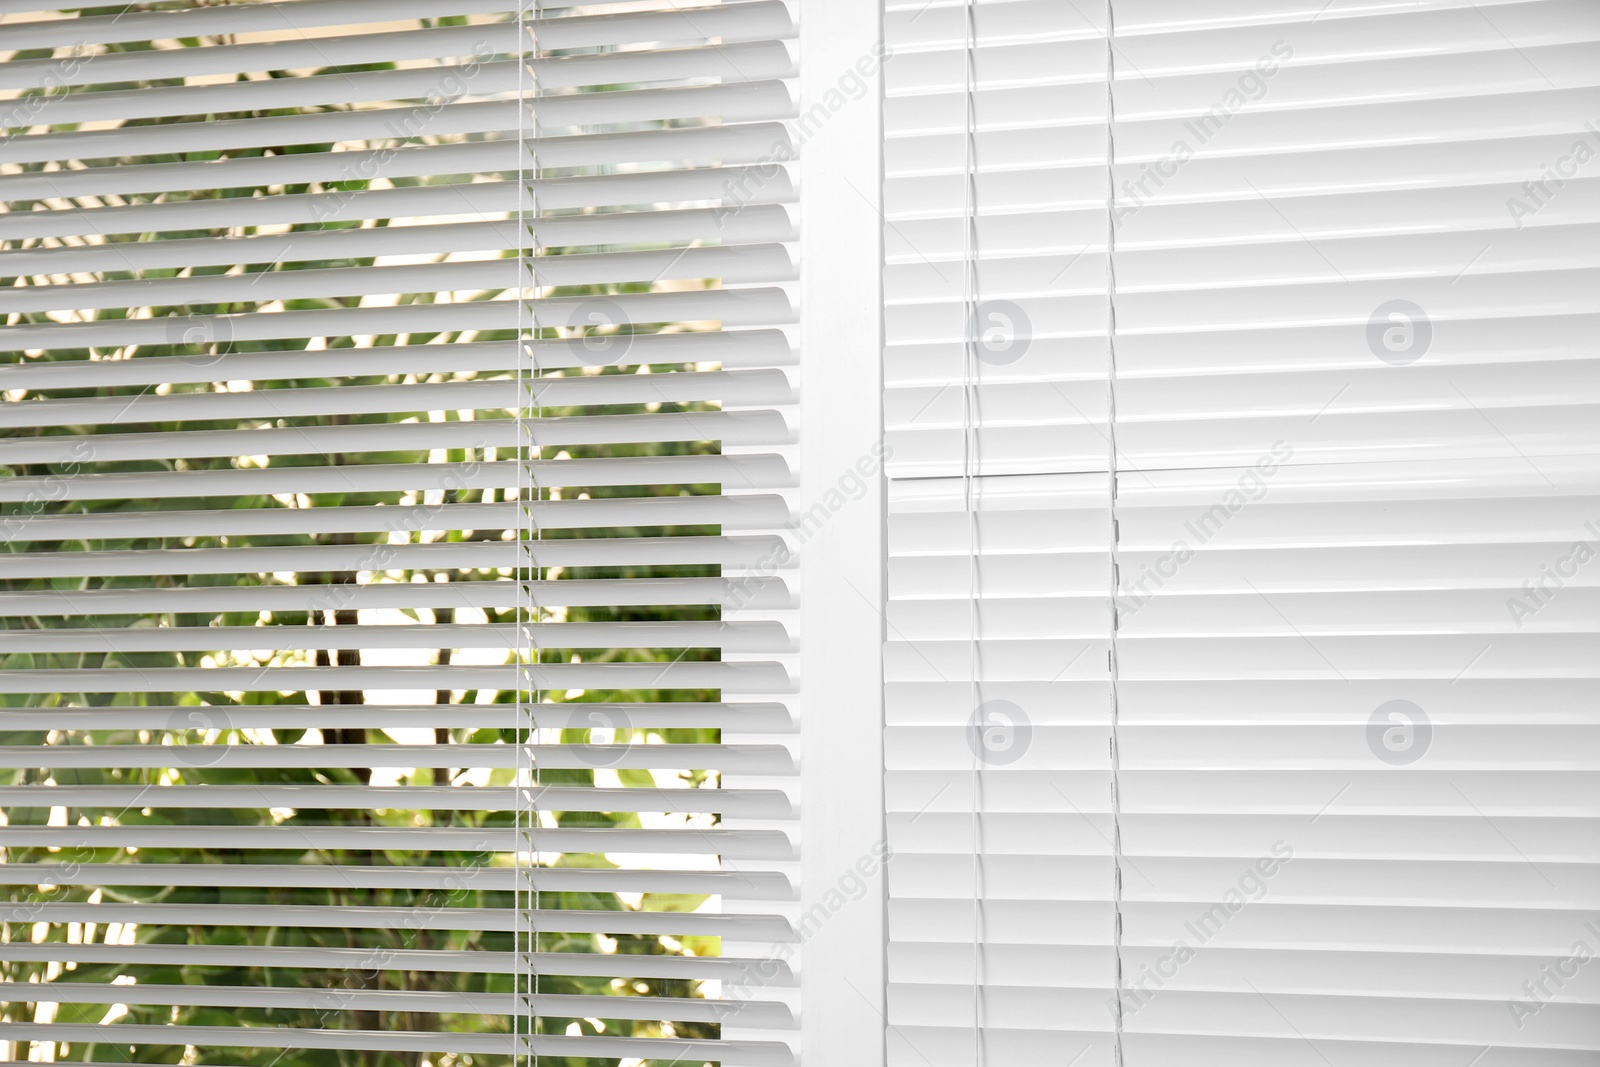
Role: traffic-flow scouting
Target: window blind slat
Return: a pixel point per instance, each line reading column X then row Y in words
column 755, row 1013
column 427, row 798
column 749, row 142
column 431, row 960
column 759, row 1054
column 769, row 223
column 744, row 142
column 493, row 196
column 735, row 63
column 765, row 718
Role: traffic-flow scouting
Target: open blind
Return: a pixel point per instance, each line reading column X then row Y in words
column 388, row 386
column 1352, row 515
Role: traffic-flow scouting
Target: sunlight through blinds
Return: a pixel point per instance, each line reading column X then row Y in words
column 389, row 388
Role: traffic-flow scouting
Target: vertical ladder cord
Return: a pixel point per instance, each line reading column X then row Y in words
column 530, row 494
column 1114, row 531
column 969, row 420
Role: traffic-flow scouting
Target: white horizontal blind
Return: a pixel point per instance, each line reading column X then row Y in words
column 1034, row 145
column 1357, row 783
column 1356, row 503
column 711, row 281
column 372, row 372
column 1001, row 894
column 999, row 791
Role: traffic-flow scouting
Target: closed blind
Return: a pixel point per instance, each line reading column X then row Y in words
column 387, row 387
column 1352, row 509
column 1001, row 911
column 1357, row 780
